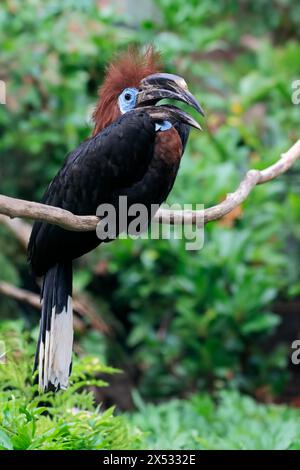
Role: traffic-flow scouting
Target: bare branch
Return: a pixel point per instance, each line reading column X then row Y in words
column 85, row 309
column 53, row 215
column 233, row 200
column 31, row 210
column 19, row 228
column 21, row 295
column 82, row 305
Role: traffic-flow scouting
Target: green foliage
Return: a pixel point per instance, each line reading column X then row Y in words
column 234, row 422
column 226, row 19
column 71, row 420
column 183, row 320
column 68, row 420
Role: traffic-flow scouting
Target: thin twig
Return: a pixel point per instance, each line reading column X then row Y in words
column 19, row 228
column 82, row 305
column 30, row 298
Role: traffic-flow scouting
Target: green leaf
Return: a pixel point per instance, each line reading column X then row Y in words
column 5, row 441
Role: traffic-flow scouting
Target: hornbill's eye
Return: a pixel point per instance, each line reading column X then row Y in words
column 127, row 99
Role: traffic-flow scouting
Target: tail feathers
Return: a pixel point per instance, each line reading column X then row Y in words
column 54, row 351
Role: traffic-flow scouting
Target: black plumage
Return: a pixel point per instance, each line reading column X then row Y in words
column 120, row 160
column 135, row 151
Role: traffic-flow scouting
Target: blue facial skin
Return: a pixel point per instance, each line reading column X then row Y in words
column 127, row 101
column 163, row 126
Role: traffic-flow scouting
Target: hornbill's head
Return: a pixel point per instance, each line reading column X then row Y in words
column 134, row 81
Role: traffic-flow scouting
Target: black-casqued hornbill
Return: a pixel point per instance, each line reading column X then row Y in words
column 135, row 151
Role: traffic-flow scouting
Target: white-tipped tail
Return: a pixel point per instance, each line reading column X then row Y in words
column 54, row 351
column 55, row 355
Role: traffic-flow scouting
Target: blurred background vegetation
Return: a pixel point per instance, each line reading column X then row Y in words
column 177, row 323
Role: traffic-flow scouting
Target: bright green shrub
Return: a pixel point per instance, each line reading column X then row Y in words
column 67, row 420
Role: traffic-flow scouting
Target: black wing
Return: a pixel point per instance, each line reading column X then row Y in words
column 184, row 132
column 120, row 160
column 115, row 158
